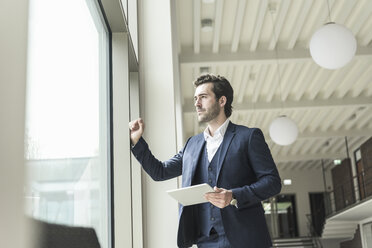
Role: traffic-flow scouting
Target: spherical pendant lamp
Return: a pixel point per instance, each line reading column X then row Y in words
column 283, row 131
column 332, row 46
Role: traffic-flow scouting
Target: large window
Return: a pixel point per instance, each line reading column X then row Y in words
column 67, row 119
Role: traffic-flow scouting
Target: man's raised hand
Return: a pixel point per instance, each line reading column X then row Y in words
column 137, row 127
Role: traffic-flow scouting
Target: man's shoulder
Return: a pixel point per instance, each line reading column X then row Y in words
column 196, row 137
column 245, row 129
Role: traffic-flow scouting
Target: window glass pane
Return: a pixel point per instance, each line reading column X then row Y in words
column 67, row 133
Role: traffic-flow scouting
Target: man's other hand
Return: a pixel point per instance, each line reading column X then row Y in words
column 220, row 197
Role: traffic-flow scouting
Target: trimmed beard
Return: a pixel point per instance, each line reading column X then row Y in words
column 210, row 114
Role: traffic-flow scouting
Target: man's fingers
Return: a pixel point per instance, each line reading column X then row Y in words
column 141, row 123
column 218, row 190
column 136, row 124
column 214, row 196
column 221, row 203
column 219, row 198
column 132, row 124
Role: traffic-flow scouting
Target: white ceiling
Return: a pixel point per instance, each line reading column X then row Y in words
column 327, row 105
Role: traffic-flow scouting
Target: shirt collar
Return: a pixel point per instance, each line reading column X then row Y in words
column 219, row 132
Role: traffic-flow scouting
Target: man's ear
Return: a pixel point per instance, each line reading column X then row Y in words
column 222, row 101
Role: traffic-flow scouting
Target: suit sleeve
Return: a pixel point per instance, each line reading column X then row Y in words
column 268, row 181
column 158, row 170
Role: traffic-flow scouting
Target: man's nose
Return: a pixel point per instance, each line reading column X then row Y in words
column 197, row 103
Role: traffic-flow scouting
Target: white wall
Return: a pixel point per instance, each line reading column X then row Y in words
column 362, row 233
column 157, row 93
column 303, row 182
column 13, row 54
column 122, row 172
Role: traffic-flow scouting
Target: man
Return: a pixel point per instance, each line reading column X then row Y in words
column 233, row 159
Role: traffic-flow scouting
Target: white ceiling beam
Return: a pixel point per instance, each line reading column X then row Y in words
column 254, row 119
column 314, row 165
column 238, row 80
column 328, row 164
column 355, row 142
column 336, row 77
column 361, row 18
column 345, row 87
column 274, row 148
column 339, row 147
column 351, row 76
column 298, row 82
column 258, row 25
column 300, row 20
column 318, row 82
column 225, row 56
column 317, row 148
column 303, row 104
column 244, row 84
column 276, row 83
column 363, row 80
column 335, row 134
column 366, row 132
column 367, row 120
column 269, row 117
column 367, row 39
column 197, row 20
column 305, row 82
column 305, row 120
column 330, row 119
column 279, row 22
column 238, row 25
column 300, row 167
column 319, row 156
column 342, row 119
column 230, row 73
column 307, row 146
column 283, row 166
column 345, row 10
column 261, row 78
column 358, row 114
column 318, row 120
column 296, row 147
column 295, row 72
column 217, row 26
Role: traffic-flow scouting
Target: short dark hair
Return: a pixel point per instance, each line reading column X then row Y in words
column 221, row 87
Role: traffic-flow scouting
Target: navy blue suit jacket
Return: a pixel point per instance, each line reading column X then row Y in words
column 245, row 166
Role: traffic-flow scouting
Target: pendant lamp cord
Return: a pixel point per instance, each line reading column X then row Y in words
column 329, row 11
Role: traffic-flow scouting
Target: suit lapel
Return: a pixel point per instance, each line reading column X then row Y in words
column 229, row 135
column 196, row 151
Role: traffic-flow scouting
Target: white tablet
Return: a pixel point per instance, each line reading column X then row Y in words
column 191, row 195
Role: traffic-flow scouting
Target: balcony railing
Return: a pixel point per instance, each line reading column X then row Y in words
column 350, row 193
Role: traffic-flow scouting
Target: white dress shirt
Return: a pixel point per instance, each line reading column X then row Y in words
column 214, row 142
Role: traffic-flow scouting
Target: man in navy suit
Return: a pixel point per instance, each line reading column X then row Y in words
column 235, row 160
